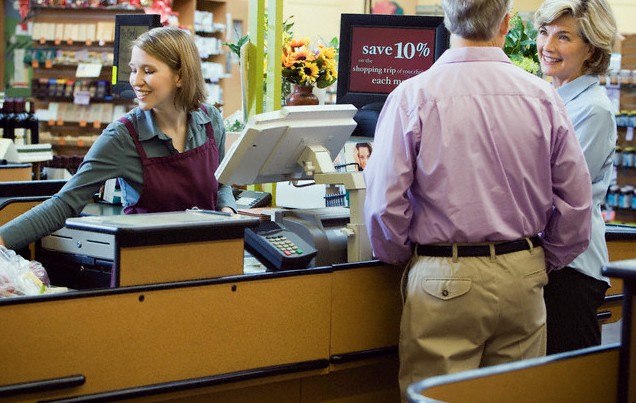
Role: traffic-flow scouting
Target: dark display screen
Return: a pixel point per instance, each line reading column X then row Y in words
column 127, row 34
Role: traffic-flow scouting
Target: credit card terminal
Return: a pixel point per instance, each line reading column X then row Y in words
column 248, row 199
column 278, row 248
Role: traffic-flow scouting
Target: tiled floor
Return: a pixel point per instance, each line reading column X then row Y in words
column 611, row 333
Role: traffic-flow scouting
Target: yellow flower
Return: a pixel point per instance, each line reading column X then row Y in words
column 303, row 64
column 302, row 55
column 288, row 60
column 311, row 70
column 327, row 53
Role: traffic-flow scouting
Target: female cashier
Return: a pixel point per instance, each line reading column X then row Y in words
column 164, row 152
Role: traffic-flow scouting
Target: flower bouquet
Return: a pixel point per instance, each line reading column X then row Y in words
column 309, row 66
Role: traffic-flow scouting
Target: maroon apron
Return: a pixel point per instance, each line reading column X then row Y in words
column 178, row 181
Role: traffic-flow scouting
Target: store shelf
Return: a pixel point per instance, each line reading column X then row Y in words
column 63, row 33
column 626, row 176
column 64, row 40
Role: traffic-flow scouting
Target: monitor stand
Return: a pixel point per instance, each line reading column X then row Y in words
column 316, row 161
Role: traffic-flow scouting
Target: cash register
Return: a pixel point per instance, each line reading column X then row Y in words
column 300, row 143
column 96, row 251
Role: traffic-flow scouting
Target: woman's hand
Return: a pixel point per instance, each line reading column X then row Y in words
column 224, row 209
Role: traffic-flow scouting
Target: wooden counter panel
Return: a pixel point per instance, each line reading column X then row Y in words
column 131, row 339
column 371, row 382
column 366, row 308
column 619, row 250
column 16, row 174
column 14, row 209
column 582, row 377
column 279, row 392
column 615, row 310
column 179, row 262
column 375, row 382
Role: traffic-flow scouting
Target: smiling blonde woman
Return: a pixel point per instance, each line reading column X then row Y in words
column 574, row 42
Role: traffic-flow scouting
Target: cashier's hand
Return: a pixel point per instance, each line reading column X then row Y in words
column 224, row 209
column 1, row 241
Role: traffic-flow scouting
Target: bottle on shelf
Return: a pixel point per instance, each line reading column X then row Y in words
column 33, row 125
column 628, row 157
column 612, row 196
column 19, row 120
column 2, row 119
column 625, row 197
column 9, row 119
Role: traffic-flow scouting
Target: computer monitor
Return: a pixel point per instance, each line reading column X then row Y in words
column 128, row 27
column 378, row 52
column 272, row 143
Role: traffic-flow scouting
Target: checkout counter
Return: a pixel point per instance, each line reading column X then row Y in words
column 327, row 332
column 186, row 322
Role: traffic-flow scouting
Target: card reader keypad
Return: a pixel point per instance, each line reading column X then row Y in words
column 283, row 244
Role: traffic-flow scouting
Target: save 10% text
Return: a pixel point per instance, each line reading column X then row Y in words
column 400, row 50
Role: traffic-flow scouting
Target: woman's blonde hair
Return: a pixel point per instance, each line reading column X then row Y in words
column 596, row 25
column 176, row 48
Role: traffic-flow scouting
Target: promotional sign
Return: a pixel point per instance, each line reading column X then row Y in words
column 378, row 52
column 382, row 57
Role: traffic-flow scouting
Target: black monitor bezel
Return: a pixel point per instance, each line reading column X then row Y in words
column 349, row 21
column 121, row 85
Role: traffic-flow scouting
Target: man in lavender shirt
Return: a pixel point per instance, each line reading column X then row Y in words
column 478, row 185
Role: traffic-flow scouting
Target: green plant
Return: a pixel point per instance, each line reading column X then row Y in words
column 521, row 45
column 236, row 47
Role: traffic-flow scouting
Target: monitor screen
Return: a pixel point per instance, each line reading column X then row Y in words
column 128, row 27
column 272, row 143
column 378, row 52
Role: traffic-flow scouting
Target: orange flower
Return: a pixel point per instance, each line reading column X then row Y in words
column 298, row 43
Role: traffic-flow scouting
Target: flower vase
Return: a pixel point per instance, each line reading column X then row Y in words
column 302, row 95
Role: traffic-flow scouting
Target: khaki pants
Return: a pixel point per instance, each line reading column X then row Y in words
column 471, row 312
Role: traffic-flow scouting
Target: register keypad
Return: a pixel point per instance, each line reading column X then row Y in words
column 283, row 244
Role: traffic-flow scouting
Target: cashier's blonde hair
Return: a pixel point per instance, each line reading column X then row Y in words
column 596, row 26
column 176, row 48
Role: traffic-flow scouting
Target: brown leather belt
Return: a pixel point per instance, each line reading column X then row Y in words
column 501, row 248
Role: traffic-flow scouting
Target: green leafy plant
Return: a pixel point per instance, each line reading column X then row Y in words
column 236, row 47
column 521, row 45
